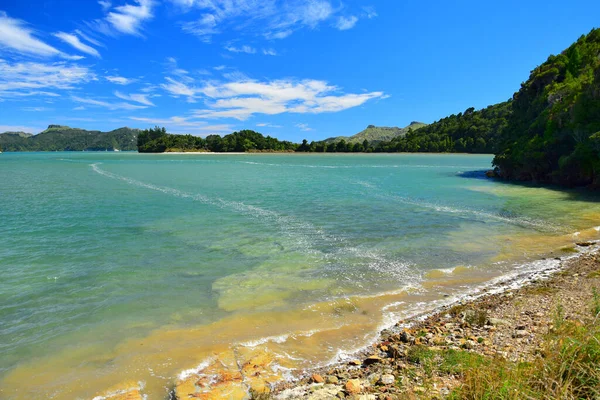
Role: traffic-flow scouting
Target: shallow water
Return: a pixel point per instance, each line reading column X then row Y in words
column 122, row 266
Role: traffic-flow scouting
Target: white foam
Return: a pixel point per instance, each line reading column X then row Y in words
column 189, row 372
column 275, row 339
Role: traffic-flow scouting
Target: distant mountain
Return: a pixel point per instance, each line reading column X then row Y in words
column 375, row 134
column 64, row 138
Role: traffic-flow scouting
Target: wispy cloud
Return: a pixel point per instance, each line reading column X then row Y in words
column 36, row 109
column 27, row 78
column 136, row 97
column 105, row 5
column 16, row 36
column 20, row 128
column 304, row 127
column 76, row 43
column 126, row 19
column 106, row 104
column 243, row 98
column 119, row 80
column 241, row 49
column 268, row 125
column 269, row 52
column 273, row 19
column 186, row 125
column 345, row 23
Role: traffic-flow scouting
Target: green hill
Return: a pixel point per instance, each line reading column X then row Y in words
column 375, row 134
column 64, row 138
column 553, row 134
column 471, row 131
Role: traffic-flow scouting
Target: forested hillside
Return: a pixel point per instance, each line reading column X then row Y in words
column 553, row 134
column 64, row 138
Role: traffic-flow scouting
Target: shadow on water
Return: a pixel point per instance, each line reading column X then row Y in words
column 576, row 194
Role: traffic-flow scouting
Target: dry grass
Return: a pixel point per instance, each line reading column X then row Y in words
column 569, row 368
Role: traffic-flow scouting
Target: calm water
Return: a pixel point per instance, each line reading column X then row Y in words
column 127, row 266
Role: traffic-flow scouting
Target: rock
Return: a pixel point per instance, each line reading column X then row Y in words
column 585, row 244
column 316, row 378
column 491, row 173
column 497, row 321
column 332, row 380
column 341, row 395
column 373, row 378
column 355, row 362
column 521, row 333
column 373, row 359
column 324, row 393
column 406, row 337
column 353, row 386
column 387, row 379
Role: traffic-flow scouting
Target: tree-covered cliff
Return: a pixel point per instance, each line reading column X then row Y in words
column 553, row 134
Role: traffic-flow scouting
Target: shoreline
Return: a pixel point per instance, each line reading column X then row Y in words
column 389, row 353
column 370, row 372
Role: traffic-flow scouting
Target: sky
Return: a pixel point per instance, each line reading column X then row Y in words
column 291, row 69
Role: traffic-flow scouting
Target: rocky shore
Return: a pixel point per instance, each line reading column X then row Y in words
column 427, row 356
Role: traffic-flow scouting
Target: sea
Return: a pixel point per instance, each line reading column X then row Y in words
column 126, row 267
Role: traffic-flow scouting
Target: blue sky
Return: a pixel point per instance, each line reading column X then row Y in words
column 293, row 69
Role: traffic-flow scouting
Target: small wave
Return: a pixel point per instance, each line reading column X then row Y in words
column 275, row 339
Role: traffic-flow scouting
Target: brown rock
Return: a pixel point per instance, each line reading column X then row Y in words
column 353, row 386
column 316, row 378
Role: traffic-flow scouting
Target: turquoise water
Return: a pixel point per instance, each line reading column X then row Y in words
column 98, row 249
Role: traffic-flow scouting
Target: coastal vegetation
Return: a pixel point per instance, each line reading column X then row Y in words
column 553, row 133
column 64, row 138
column 157, row 140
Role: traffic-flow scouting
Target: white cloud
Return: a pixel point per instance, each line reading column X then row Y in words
column 345, row 23
column 186, row 125
column 268, row 125
column 87, row 38
column 177, row 89
column 27, row 78
column 136, row 97
column 128, row 18
column 369, row 12
column 36, row 109
column 105, row 4
column 242, row 49
column 243, row 98
column 79, row 108
column 304, row 127
column 19, row 128
column 269, row 52
column 106, row 104
column 274, row 19
column 76, row 43
column 119, row 80
column 16, row 36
